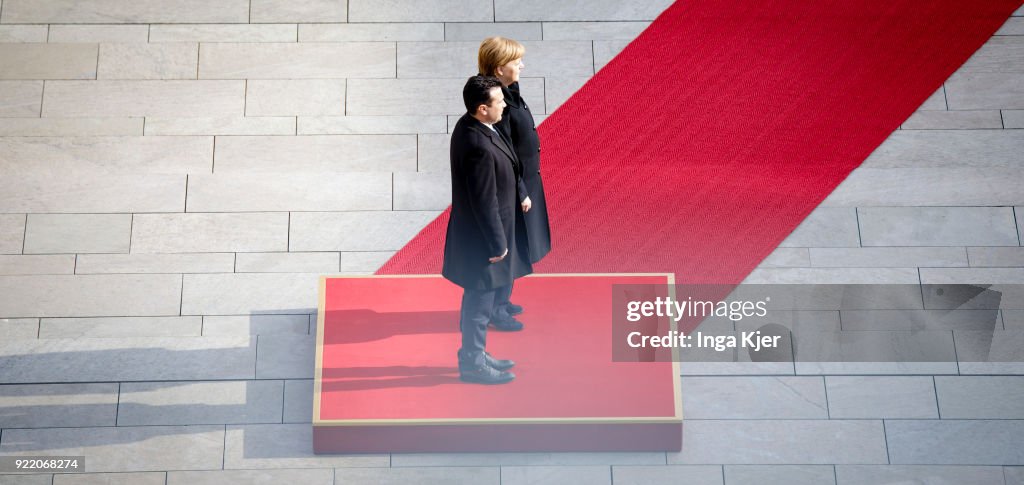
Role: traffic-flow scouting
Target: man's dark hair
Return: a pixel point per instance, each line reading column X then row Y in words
column 478, row 91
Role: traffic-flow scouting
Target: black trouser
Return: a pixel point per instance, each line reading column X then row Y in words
column 478, row 307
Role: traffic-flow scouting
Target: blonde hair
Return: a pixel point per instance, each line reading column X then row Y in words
column 496, row 52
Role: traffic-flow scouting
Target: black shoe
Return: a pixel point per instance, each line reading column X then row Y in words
column 484, row 374
column 499, row 364
column 507, row 325
column 514, row 309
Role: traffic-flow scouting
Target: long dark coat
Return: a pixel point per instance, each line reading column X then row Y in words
column 484, row 218
column 517, row 125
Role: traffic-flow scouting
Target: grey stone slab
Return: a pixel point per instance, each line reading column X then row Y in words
column 286, row 263
column 787, row 258
column 156, row 263
column 430, row 96
column 224, row 33
column 422, row 190
column 881, row 397
column 37, row 264
column 138, row 478
column 196, row 402
column 1018, row 213
column 525, row 459
column 420, row 11
column 298, row 401
column 371, row 32
column 1013, row 26
column 268, row 60
column 923, row 474
column 21, row 479
column 20, row 98
column 255, row 324
column 1001, row 352
column 882, row 257
column 833, row 276
column 996, row 257
column 960, row 319
column 66, row 156
column 58, row 405
column 998, row 54
column 48, row 61
column 433, row 152
column 295, row 97
column 992, row 186
column 120, row 449
column 611, row 30
column 316, row 153
column 954, row 120
column 78, row 233
column 543, row 475
column 262, row 125
column 538, row 11
column 955, row 442
column 95, row 193
column 369, row 125
column 291, row 192
column 285, row 356
column 14, row 328
column 172, row 98
column 124, row 11
column 667, row 475
column 1013, row 319
column 779, row 475
column 243, row 294
column 70, row 126
column 875, row 352
column 454, row 59
column 170, row 60
column 980, row 397
column 128, row 359
column 12, row 233
column 114, row 327
column 188, row 233
column 364, row 261
column 826, row 227
column 775, row 397
column 985, row 90
column 98, row 33
column 356, row 231
column 937, row 226
column 1013, row 475
column 797, row 442
column 937, row 101
column 89, row 295
column 1010, row 276
column 606, row 50
column 559, row 89
column 282, row 446
column 269, row 11
column 478, row 31
column 949, row 148
column 426, row 476
column 1013, row 118
column 251, row 477
column 23, row 33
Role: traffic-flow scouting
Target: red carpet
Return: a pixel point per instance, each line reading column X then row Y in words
column 386, row 377
column 703, row 144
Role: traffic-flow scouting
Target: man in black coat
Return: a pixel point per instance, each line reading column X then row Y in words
column 482, row 252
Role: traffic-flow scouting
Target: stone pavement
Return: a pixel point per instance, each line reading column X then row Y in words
column 177, row 174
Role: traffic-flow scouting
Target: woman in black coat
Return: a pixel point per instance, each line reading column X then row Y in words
column 503, row 58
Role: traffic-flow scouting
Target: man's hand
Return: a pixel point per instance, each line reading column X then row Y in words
column 498, row 258
column 527, row 204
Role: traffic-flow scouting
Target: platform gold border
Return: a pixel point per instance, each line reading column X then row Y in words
column 318, row 372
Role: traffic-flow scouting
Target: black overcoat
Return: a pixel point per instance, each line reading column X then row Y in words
column 484, row 217
column 518, row 126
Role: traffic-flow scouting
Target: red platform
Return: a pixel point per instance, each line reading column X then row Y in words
column 387, row 381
